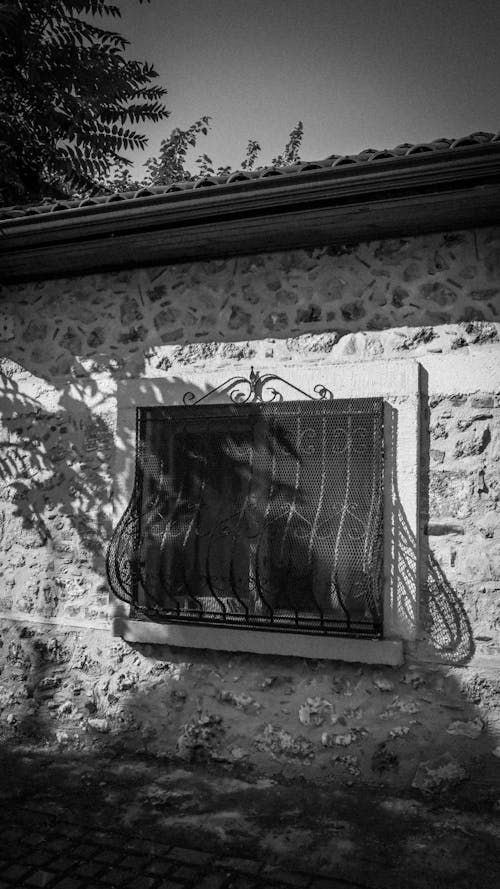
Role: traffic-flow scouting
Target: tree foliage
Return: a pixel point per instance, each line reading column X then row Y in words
column 70, row 104
column 171, row 163
column 69, row 99
column 291, row 151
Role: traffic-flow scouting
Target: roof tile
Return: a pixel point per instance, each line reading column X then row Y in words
column 333, row 161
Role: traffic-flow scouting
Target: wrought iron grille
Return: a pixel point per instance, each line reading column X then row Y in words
column 256, row 515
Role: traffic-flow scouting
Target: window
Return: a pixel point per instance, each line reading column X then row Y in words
column 282, row 524
column 257, row 515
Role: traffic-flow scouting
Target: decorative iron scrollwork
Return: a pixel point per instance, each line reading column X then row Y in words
column 266, row 517
column 256, row 389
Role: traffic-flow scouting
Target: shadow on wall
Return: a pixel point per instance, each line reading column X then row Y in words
column 445, row 627
column 56, row 469
column 56, row 460
column 216, row 721
column 444, row 632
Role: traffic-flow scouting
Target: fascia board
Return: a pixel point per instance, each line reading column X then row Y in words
column 448, row 175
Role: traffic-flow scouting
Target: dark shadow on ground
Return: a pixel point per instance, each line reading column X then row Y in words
column 366, row 835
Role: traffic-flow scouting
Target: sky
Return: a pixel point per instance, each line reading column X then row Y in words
column 358, row 73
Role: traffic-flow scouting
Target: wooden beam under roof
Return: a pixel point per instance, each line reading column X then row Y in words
column 390, row 197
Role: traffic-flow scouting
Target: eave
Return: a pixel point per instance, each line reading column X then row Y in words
column 393, row 197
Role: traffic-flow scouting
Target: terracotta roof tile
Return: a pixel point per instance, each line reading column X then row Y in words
column 333, row 161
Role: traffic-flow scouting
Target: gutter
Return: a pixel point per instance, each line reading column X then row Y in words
column 389, row 197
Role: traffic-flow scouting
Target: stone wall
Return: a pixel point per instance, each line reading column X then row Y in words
column 112, row 322
column 419, row 726
column 64, row 345
column 462, row 494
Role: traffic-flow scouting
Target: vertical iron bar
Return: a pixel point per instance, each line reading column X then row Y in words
column 318, row 511
column 291, row 511
column 136, row 565
column 343, row 514
column 234, row 537
column 209, row 543
column 264, row 517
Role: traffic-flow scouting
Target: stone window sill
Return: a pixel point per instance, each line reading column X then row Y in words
column 364, row 651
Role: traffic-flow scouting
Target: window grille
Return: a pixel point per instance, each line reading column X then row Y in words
column 264, row 515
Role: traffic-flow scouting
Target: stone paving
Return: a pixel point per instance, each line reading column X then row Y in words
column 96, row 820
column 37, row 851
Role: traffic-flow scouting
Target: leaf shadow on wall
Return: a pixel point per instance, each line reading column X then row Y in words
column 56, row 459
column 56, row 468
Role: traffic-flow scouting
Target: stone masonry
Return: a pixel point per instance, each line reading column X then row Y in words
column 64, row 345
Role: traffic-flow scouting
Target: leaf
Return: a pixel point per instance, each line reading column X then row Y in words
column 67, row 95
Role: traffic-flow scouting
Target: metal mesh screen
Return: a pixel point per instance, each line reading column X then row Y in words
column 259, row 515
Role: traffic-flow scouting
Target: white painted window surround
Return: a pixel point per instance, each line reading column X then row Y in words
column 397, row 382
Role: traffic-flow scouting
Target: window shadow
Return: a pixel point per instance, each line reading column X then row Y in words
column 446, row 632
column 421, row 597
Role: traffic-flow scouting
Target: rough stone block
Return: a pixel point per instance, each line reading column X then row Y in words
column 438, row 529
column 437, row 456
column 189, row 856
column 482, row 401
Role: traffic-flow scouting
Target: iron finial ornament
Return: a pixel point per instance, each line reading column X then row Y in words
column 256, row 389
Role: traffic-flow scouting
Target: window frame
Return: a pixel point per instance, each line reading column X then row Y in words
column 397, row 382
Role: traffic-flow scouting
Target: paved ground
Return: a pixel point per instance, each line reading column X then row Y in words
column 72, row 820
column 38, row 852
